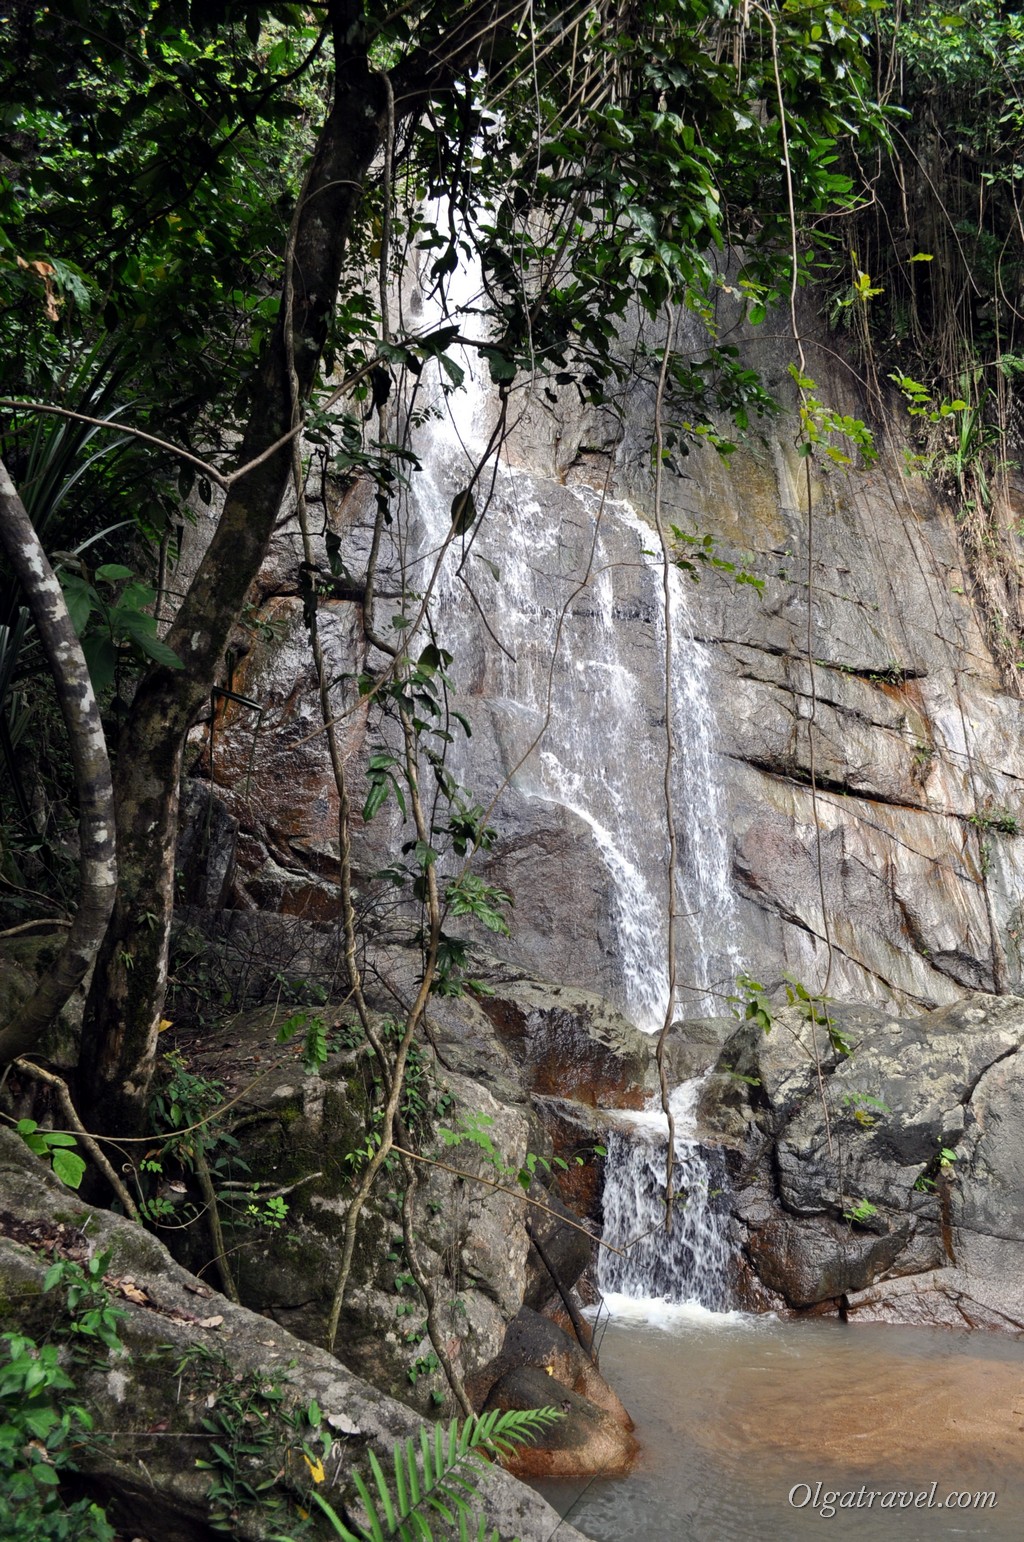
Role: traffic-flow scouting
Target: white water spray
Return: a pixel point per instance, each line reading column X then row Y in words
column 690, row 1262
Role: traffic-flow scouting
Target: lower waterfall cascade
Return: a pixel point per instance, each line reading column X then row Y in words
column 690, row 1262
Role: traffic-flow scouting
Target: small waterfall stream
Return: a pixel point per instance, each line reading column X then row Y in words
column 691, row 1262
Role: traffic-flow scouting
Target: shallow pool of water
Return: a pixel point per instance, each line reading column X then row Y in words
column 742, row 1418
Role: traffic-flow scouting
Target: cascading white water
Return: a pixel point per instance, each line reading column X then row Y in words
column 566, row 581
column 690, row 1263
column 572, row 593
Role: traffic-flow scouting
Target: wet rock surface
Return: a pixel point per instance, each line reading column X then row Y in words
column 882, row 1166
column 479, row 1243
column 917, row 736
column 569, row 1043
column 586, row 1439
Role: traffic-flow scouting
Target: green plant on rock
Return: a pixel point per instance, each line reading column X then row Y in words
column 55, row 1146
column 865, row 1107
column 940, row 1167
column 262, row 1450
column 41, row 1422
column 814, row 1009
column 750, row 1003
column 314, row 1037
column 189, row 1136
column 997, row 819
column 267, row 1454
column 860, row 1211
column 39, row 1426
column 475, row 1130
column 440, row 1473
column 246, row 1430
column 94, row 1320
column 701, row 551
column 821, row 424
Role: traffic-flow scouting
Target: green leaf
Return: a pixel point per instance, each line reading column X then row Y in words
column 501, row 367
column 78, row 597
column 456, row 374
column 101, row 660
column 376, row 1530
column 463, row 512
column 334, row 1519
column 383, row 1491
column 69, row 1167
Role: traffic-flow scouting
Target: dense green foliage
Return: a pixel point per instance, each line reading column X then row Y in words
column 934, row 273
column 941, row 237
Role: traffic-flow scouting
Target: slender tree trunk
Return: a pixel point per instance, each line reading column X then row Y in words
column 127, row 996
column 128, row 988
column 98, row 868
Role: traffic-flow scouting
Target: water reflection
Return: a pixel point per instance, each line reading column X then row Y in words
column 735, row 1412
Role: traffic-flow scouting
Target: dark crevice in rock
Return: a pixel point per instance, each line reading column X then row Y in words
column 962, row 968
column 789, row 771
column 970, row 1091
column 896, row 675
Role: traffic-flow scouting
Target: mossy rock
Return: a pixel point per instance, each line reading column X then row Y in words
column 23, row 961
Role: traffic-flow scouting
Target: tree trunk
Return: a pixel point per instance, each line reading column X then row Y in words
column 126, row 1001
column 127, row 995
column 98, row 869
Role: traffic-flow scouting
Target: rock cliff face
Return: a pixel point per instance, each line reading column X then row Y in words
column 862, row 661
column 846, row 785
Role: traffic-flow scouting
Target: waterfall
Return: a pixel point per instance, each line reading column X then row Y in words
column 570, row 686
column 691, row 1262
column 565, row 580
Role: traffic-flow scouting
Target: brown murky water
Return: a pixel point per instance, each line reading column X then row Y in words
column 742, row 1418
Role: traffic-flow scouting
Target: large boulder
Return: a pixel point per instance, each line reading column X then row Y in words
column 535, row 1340
column 570, row 1043
column 302, row 1134
column 879, row 1149
column 586, row 1440
column 190, row 1357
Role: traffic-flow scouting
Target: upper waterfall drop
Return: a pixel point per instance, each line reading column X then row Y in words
column 565, row 581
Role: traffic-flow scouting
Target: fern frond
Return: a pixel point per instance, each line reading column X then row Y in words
column 375, row 1533
column 385, row 1494
column 444, row 1478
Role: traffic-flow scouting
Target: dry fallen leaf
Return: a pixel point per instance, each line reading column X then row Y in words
column 210, row 1322
column 128, row 1288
